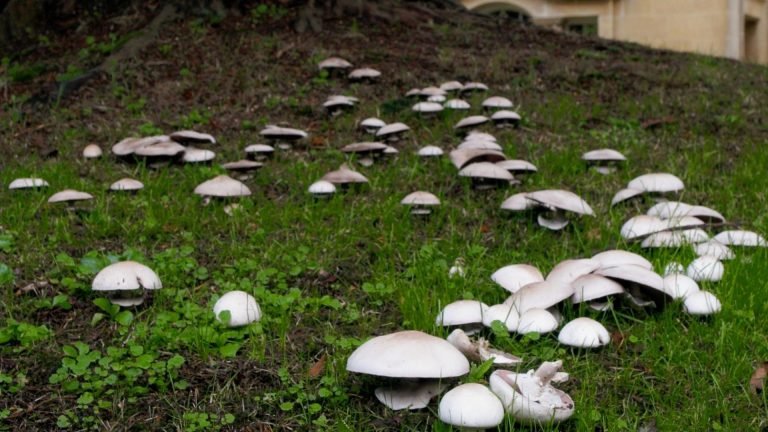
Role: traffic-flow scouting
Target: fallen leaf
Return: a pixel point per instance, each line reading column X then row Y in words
column 317, row 369
column 757, row 381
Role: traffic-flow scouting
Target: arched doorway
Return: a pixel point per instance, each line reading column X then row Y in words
column 504, row 10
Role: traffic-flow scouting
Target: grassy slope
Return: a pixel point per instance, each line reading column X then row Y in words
column 330, row 274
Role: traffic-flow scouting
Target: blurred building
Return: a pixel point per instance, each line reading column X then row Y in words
column 730, row 28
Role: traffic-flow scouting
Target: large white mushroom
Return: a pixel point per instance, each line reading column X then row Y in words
column 407, row 356
column 584, row 333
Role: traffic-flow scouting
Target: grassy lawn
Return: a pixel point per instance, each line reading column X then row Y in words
column 329, row 274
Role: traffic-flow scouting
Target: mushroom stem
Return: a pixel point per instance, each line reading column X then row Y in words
column 548, row 370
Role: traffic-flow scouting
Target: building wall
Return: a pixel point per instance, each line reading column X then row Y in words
column 731, row 28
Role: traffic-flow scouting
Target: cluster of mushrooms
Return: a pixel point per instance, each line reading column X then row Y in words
column 413, row 366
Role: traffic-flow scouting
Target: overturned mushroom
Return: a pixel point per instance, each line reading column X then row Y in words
column 530, row 397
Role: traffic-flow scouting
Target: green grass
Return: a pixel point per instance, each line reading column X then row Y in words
column 329, row 274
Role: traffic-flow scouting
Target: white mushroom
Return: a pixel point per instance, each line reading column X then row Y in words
column 705, row 268
column 515, row 276
column 322, row 189
column 92, row 151
column 421, row 202
column 471, row 407
column 126, row 184
column 584, row 333
column 242, row 307
column 27, row 183
column 702, row 303
column 408, row 355
column 124, row 282
column 222, row 186
column 530, row 397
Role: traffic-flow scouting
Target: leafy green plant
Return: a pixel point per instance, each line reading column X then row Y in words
column 23, row 334
column 111, row 311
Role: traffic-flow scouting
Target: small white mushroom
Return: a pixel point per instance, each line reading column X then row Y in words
column 741, row 238
column 430, row 151
column 322, row 189
column 421, row 202
column 515, row 276
column 702, row 303
column 705, row 268
column 584, row 333
column 242, row 307
column 126, row 184
column 92, row 151
column 28, row 183
column 222, row 186
column 471, row 407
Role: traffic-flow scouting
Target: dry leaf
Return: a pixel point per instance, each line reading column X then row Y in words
column 317, row 369
column 758, row 378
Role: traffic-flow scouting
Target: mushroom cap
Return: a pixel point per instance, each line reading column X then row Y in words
column 673, row 267
column 705, row 268
column 702, row 303
column 505, row 116
column 625, row 194
column 474, row 86
column 539, row 295
column 344, row 175
column 714, row 248
column 420, row 198
column 430, row 151
column 432, row 91
column 507, row 314
column 615, row 257
column 471, row 121
column 243, row 308
column 584, row 333
column 569, row 270
column 665, row 239
column 322, row 187
column 372, row 123
column 741, row 238
column 603, row 155
column 633, row 273
column 518, row 202
column 481, row 144
column 196, row 155
column 334, row 63
column 461, row 312
column 338, row 100
column 449, row 86
column 190, row 136
column 364, row 147
column 68, row 195
column 427, row 107
column 259, row 148
column 497, row 102
column 364, row 73
column 457, row 104
column 463, row 157
column 28, row 183
column 282, row 133
column 92, row 151
column 657, row 182
column 408, row 354
column 641, row 225
column 478, row 135
column 436, row 98
column 515, row 276
column 390, row 150
column 222, row 186
column 679, row 286
column 242, row 165
column 537, row 321
column 126, row 275
column 485, row 170
column 128, row 146
column 160, row 149
column 563, row 200
column 677, row 209
column 591, row 287
column 472, row 406
column 517, row 166
column 126, row 184
column 392, row 129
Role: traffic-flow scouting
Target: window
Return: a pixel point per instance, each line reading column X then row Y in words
column 586, row 26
